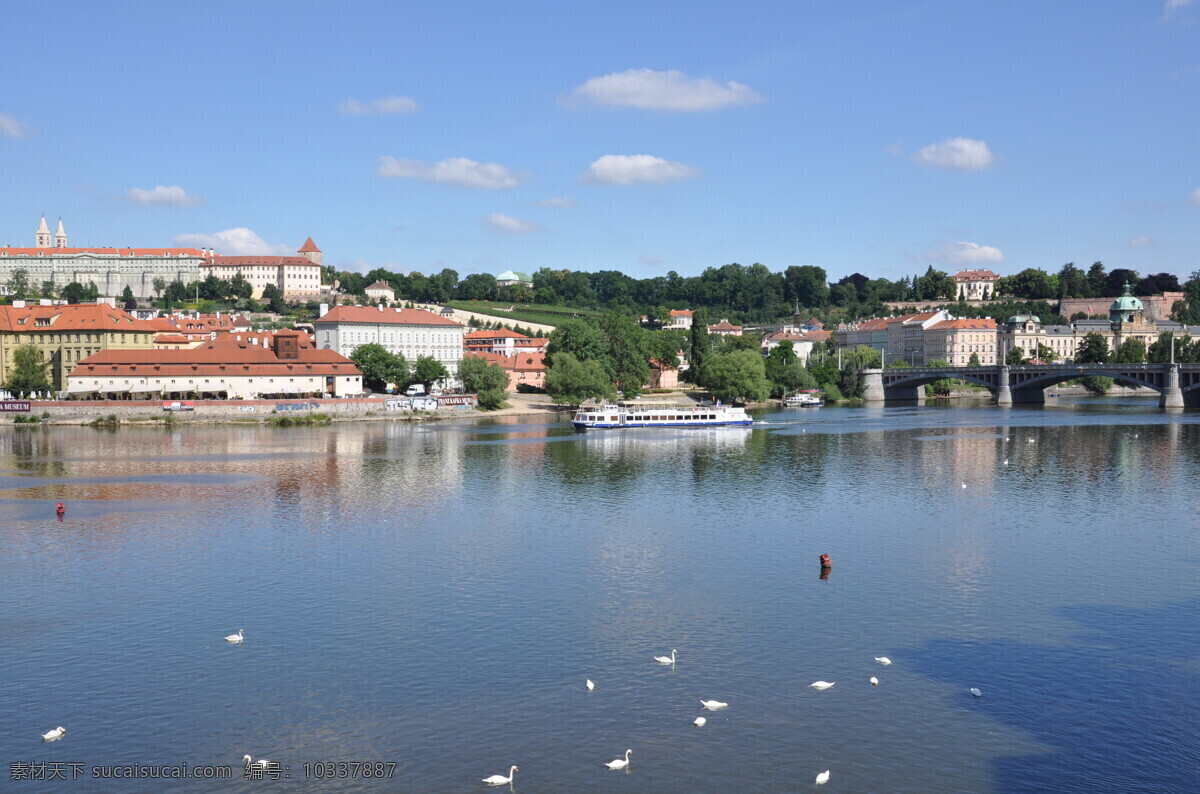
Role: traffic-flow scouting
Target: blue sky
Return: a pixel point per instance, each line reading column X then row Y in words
column 876, row 137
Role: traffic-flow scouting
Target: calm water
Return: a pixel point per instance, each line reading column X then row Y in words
column 437, row 595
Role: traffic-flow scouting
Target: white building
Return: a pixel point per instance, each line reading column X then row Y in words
column 975, row 285
column 511, row 278
column 955, row 341
column 110, row 269
column 409, row 332
column 381, row 291
column 297, row 277
column 679, row 319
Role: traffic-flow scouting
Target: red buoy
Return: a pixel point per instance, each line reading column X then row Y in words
column 61, row 509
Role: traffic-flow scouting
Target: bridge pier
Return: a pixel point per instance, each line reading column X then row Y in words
column 873, row 386
column 1172, row 394
column 1004, row 392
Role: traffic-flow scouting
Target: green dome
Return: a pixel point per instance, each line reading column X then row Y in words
column 1017, row 319
column 1126, row 303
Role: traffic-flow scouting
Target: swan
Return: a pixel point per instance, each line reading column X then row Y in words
column 874, row 681
column 822, row 684
column 54, row 735
column 1006, row 461
column 883, row 660
column 1033, row 441
column 713, row 705
column 823, row 778
column 976, row 692
column 590, row 685
column 260, row 763
column 964, row 485
column 236, row 638
column 620, row 763
column 699, row 722
column 500, row 780
column 666, row 659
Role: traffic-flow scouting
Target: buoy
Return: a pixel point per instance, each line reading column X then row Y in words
column 60, row 509
column 826, row 562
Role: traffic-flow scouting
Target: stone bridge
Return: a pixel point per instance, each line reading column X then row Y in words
column 1178, row 384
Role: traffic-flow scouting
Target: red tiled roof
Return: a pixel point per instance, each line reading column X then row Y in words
column 724, row 325
column 819, row 336
column 78, row 317
column 379, row 285
column 309, row 247
column 975, row 275
column 681, row 312
column 373, row 316
column 216, row 358
column 873, row 325
column 196, row 252
column 980, row 324
column 171, row 339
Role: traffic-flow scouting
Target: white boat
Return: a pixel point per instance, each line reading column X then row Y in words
column 619, row 416
column 802, row 399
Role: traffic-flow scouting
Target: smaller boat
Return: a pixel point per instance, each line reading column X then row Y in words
column 804, row 398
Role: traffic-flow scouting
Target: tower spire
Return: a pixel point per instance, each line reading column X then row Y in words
column 43, row 234
column 60, row 236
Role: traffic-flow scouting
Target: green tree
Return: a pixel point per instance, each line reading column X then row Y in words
column 627, row 356
column 427, row 369
column 973, row 361
column 1045, row 354
column 213, row 288
column 1097, row 277
column 737, row 377
column 1093, row 349
column 487, row 381
column 785, row 372
column 1032, row 284
column 379, row 366
column 1097, row 384
column 18, row 284
column 29, row 371
column 159, row 284
column 806, row 284
column 570, row 381
column 49, row 290
column 942, row 386
column 934, row 285
column 1131, row 351
column 1015, row 357
column 239, row 288
column 127, row 294
column 274, row 298
column 698, row 349
column 581, row 338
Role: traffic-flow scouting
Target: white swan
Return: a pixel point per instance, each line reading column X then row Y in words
column 822, row 684
column 713, row 705
column 500, row 780
column 964, row 485
column 236, row 638
column 260, row 763
column 883, row 660
column 976, row 692
column 874, row 681
column 1006, row 461
column 619, row 763
column 54, row 735
column 666, row 659
column 823, row 778
column 590, row 686
column 699, row 722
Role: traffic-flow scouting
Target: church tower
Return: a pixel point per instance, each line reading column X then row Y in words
column 43, row 234
column 310, row 251
column 60, row 236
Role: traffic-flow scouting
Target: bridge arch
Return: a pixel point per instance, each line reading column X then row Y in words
column 913, row 381
column 1053, row 379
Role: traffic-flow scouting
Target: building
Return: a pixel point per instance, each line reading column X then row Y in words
column 1026, row 331
column 1126, row 320
column 296, row 277
column 411, row 333
column 381, row 291
column 66, row 335
column 110, row 269
column 906, row 335
column 871, row 333
column 725, row 328
column 662, row 376
column 1156, row 307
column 514, row 278
column 678, row 319
column 975, row 285
column 522, row 368
column 502, row 342
column 802, row 344
column 955, row 341
column 222, row 369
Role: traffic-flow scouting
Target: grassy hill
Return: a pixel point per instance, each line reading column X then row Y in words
column 523, row 312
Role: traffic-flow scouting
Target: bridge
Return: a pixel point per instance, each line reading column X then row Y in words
column 1177, row 384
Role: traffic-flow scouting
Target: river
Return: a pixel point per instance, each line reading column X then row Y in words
column 436, row 596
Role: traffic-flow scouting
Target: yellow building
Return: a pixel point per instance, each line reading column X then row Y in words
column 68, row 334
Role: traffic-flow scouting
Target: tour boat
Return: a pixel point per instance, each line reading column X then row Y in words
column 618, row 416
column 802, row 399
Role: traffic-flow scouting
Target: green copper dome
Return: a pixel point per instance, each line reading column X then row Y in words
column 1123, row 308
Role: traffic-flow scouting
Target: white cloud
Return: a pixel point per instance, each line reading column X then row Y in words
column 1140, row 241
column 671, row 90
column 629, row 169
column 559, row 203
column 962, row 154
column 10, row 127
column 650, row 259
column 1195, row 197
column 160, row 196
column 235, row 242
column 457, row 171
column 1171, row 6
column 503, row 224
column 384, row 106
column 966, row 254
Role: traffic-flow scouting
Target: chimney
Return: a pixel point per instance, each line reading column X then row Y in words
column 381, row 307
column 323, row 310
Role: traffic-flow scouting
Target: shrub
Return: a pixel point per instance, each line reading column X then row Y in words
column 528, row 388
